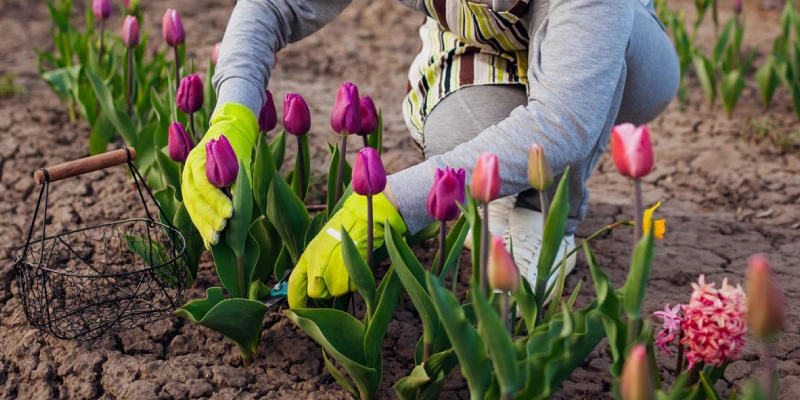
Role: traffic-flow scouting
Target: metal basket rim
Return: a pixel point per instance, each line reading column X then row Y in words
column 19, row 258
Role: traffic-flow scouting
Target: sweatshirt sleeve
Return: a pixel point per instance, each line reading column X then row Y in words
column 257, row 30
column 576, row 68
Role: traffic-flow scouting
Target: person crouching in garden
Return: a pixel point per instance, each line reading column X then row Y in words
column 492, row 76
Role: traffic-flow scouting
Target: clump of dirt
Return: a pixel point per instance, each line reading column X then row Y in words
column 724, row 197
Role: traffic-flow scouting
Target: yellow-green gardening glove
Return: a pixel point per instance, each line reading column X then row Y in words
column 320, row 273
column 207, row 205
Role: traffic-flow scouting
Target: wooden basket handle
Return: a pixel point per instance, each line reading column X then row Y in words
column 84, row 165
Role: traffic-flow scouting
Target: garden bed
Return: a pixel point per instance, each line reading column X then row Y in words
column 724, row 197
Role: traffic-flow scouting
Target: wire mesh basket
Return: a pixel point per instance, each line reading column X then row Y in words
column 89, row 282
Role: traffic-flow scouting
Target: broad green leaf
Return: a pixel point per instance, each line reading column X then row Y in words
column 237, row 319
column 471, row 350
column 102, row 135
column 269, row 244
column 171, row 171
column 340, row 379
column 289, row 216
column 210, row 94
column 117, row 118
column 315, row 227
column 610, row 310
column 493, row 331
column 731, row 88
column 165, row 198
column 554, row 230
column 162, row 112
column 526, row 301
column 722, row 42
column 62, row 80
column 388, row 295
column 767, row 82
column 263, row 171
column 234, row 270
column 194, row 242
column 333, row 172
column 278, row 149
column 302, row 143
column 258, row 291
column 359, row 272
column 376, row 138
column 574, row 296
column 239, row 225
column 708, row 387
column 155, row 256
column 559, row 290
column 412, row 276
column 636, row 284
column 705, row 74
column 342, row 336
column 283, row 263
column 453, row 246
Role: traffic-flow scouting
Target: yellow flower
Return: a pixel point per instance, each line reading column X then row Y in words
column 659, row 225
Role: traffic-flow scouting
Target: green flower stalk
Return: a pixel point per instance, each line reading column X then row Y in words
column 297, row 121
column 174, row 35
column 102, row 11
column 345, row 119
column 369, row 179
column 485, row 187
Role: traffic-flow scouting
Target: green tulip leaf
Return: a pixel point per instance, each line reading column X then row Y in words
column 526, row 301
column 341, row 336
column 767, row 81
column 278, row 149
column 258, row 290
column 194, row 242
column 162, row 112
column 239, row 320
column 340, row 379
column 554, row 230
column 154, row 255
column 171, row 171
column 263, row 171
column 559, row 290
column 118, row 118
column 731, row 88
column 234, row 270
column 609, row 307
column 289, row 215
column 636, row 285
column 387, row 297
column 102, row 134
column 493, row 331
column 315, row 227
column 236, row 233
column 210, row 95
column 705, row 74
column 376, row 138
column 333, row 173
column 306, row 166
column 359, row 272
column 166, row 200
column 453, row 246
column 283, row 263
column 269, row 244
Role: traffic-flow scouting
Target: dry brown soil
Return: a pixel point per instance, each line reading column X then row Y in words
column 724, row 196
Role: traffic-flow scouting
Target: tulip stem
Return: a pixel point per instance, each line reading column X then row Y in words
column 484, row 249
column 679, row 364
column 191, row 126
column 587, row 240
column 366, row 141
column 342, row 161
column 442, row 247
column 768, row 368
column 177, row 69
column 370, row 234
column 427, row 350
column 247, row 360
column 544, row 204
column 302, row 171
column 102, row 42
column 505, row 311
column 129, row 91
column 639, row 216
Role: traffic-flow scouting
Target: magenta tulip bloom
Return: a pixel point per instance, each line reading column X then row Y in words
column 632, row 150
column 215, row 53
column 172, row 28
column 101, row 9
column 296, row 116
column 448, row 189
column 130, row 31
column 369, row 117
column 190, row 94
column 485, row 184
column 179, row 144
column 346, row 117
column 268, row 117
column 369, row 177
column 222, row 166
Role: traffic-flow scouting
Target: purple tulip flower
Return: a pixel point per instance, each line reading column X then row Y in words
column 179, row 144
column 190, row 94
column 172, row 28
column 448, row 189
column 346, row 116
column 101, row 9
column 369, row 177
column 130, row 31
column 222, row 166
column 369, row 117
column 268, row 117
column 296, row 116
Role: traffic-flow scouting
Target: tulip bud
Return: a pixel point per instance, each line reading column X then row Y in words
column 222, row 166
column 636, row 381
column 296, row 116
column 540, row 174
column 268, row 117
column 485, row 184
column 346, row 116
column 765, row 306
column 448, row 189
column 130, row 31
column 190, row 94
column 215, row 53
column 632, row 150
column 180, row 143
column 172, row 28
column 502, row 271
column 101, row 9
column 737, row 7
column 369, row 177
column 369, row 117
